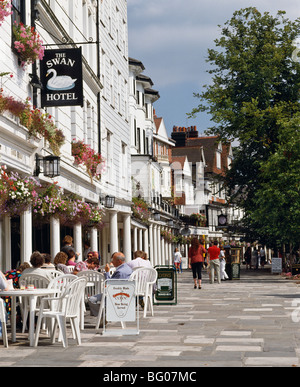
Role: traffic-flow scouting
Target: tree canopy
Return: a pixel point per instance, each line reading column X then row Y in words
column 254, row 98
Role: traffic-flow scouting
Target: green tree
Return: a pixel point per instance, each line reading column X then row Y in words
column 254, row 93
column 277, row 212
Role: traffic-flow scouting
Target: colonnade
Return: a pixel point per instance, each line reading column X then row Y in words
column 148, row 239
column 121, row 233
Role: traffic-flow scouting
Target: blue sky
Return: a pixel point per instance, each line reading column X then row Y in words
column 171, row 38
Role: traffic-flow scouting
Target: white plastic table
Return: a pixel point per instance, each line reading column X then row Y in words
column 32, row 295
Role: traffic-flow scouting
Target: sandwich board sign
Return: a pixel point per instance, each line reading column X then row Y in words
column 166, row 286
column 121, row 306
column 276, row 265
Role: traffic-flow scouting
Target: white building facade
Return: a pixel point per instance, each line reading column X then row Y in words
column 102, row 123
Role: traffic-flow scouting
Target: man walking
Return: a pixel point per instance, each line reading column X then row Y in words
column 214, row 261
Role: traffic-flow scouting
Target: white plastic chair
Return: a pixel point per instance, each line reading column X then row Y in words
column 145, row 278
column 39, row 282
column 54, row 273
column 66, row 307
column 71, row 269
column 96, row 280
column 61, row 282
column 3, row 323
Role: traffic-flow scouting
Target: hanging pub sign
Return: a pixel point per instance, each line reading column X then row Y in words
column 61, row 76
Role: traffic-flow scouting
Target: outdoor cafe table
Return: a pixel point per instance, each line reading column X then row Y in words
column 32, row 295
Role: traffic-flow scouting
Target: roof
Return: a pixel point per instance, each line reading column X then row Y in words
column 178, row 159
column 136, row 62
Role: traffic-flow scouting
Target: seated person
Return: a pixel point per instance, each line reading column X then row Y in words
column 48, row 262
column 123, row 271
column 71, row 258
column 37, row 261
column 3, row 282
column 140, row 259
column 60, row 262
column 92, row 263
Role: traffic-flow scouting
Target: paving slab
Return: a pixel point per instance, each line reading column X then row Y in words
column 241, row 323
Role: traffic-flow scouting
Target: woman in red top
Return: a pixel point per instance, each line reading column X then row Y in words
column 196, row 260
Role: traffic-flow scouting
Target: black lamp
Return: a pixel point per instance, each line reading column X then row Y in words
column 51, row 166
column 109, row 201
column 157, row 216
column 35, row 81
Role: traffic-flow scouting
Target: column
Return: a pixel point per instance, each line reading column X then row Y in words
column 141, row 239
column 7, row 242
column 104, row 243
column 135, row 239
column 94, row 239
column 127, row 236
column 163, row 255
column 146, row 241
column 113, row 232
column 54, row 236
column 155, row 262
column 151, row 249
column 168, row 261
column 26, row 235
column 77, row 230
column 158, row 246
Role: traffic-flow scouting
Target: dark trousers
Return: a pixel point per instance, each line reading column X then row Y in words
column 197, row 270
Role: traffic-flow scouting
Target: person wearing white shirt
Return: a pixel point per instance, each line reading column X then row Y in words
column 140, row 260
column 177, row 259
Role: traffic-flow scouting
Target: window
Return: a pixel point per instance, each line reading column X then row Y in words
column 109, row 156
column 124, row 165
column 218, row 156
column 18, row 11
column 112, row 96
column 138, row 138
column 103, row 70
column 144, row 141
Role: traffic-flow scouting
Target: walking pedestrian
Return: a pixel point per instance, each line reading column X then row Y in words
column 254, row 259
column 262, row 255
column 247, row 257
column 177, row 259
column 223, row 273
column 196, row 260
column 214, row 262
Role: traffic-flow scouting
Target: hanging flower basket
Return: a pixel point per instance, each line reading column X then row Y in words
column 140, row 210
column 93, row 161
column 199, row 219
column 16, row 193
column 5, row 10
column 37, row 123
column 28, row 44
column 68, row 209
column 168, row 236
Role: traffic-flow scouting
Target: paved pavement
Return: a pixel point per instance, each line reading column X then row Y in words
column 241, row 323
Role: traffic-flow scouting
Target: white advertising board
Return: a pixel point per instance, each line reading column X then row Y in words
column 276, row 265
column 120, row 301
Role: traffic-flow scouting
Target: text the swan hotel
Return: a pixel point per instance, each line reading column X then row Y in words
column 61, row 76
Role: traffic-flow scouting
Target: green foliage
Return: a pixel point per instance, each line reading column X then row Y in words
column 254, row 98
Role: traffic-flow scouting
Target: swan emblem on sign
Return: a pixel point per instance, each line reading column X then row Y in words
column 60, row 82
